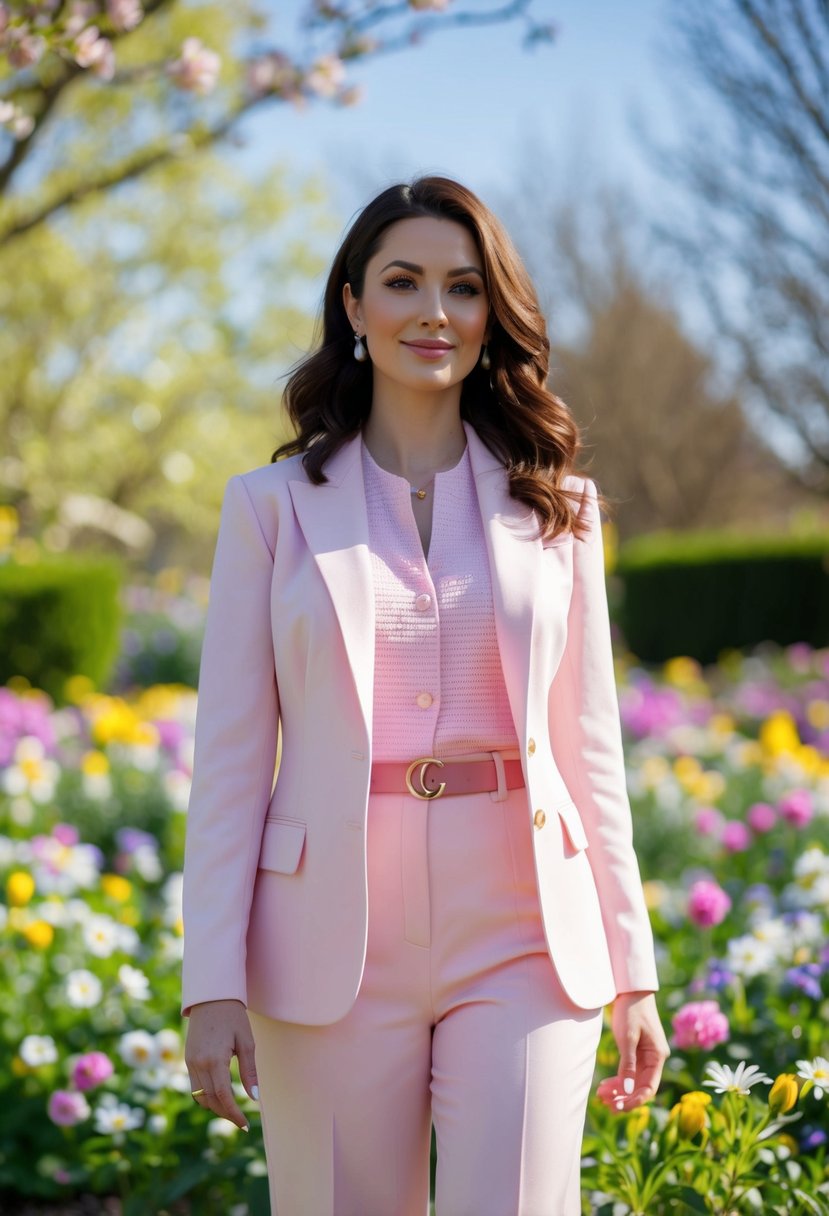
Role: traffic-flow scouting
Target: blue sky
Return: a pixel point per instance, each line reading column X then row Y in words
column 469, row 102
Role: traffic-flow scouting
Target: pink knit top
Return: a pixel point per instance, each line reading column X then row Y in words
column 438, row 684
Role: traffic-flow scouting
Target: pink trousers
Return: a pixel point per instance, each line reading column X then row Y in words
column 460, row 1020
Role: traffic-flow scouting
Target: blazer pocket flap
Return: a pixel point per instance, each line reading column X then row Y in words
column 570, row 817
column 282, row 842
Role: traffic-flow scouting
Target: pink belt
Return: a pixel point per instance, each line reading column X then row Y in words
column 430, row 778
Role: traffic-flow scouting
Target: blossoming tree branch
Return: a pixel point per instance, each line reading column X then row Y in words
column 179, row 68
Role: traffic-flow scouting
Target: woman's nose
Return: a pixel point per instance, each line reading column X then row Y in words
column 432, row 311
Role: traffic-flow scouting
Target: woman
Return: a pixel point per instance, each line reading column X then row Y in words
column 425, row 916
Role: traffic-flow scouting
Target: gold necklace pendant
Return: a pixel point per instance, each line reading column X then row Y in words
column 420, row 493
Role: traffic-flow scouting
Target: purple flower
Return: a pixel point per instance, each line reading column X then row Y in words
column 91, row 1069
column 797, row 808
column 700, row 1024
column 67, row 1108
column 708, row 903
column 761, row 817
column 170, row 734
column 805, row 978
column 719, row 976
column 735, row 836
column 131, row 839
column 812, row 1137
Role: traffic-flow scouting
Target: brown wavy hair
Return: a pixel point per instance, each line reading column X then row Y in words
column 525, row 425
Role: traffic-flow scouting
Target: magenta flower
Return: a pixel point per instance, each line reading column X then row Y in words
column 67, row 1108
column 91, row 1069
column 708, row 821
column 735, row 836
column 796, row 807
column 699, row 1024
column 708, row 903
column 66, row 833
column 761, row 817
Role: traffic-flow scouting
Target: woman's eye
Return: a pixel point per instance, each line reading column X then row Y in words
column 471, row 289
column 400, row 279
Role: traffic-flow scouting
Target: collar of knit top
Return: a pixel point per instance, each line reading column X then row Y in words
column 403, row 482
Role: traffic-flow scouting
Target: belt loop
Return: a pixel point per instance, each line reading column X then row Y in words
column 500, row 794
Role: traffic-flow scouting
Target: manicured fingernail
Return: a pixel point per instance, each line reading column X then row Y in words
column 254, row 1089
column 246, row 1127
column 628, row 1085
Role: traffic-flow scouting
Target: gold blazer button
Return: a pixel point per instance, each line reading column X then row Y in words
column 531, row 747
column 539, row 819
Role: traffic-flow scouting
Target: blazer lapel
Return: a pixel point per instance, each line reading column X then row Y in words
column 334, row 522
column 515, row 560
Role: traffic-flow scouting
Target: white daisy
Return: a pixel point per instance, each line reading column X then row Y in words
column 100, row 935
column 139, row 1049
column 134, row 982
column 739, row 1080
column 37, row 1049
column 816, row 1071
column 749, row 956
column 114, row 1116
column 83, row 989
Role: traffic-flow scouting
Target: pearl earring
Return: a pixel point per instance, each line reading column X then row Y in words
column 486, row 362
column 360, row 352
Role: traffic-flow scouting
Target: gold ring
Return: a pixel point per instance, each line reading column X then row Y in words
column 423, row 792
column 196, row 1092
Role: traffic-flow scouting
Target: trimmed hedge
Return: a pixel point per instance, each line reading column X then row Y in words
column 699, row 594
column 59, row 617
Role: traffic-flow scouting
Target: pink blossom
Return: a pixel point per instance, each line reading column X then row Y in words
column 797, row 808
column 761, row 817
column 735, row 836
column 699, row 1024
column 67, row 1108
column 197, row 69
column 92, row 1069
column 23, row 48
column 125, row 14
column 273, row 73
column 66, row 834
column 708, row 903
column 326, row 75
column 708, row 821
column 93, row 51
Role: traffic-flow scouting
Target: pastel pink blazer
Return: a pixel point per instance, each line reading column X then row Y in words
column 275, row 890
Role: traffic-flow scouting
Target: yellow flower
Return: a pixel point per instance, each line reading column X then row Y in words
column 20, row 887
column 637, row 1120
column 690, row 1113
column 39, row 933
column 116, row 887
column 19, row 1069
column 682, row 671
column 129, row 916
column 94, row 764
column 789, row 1141
column 178, row 926
column 817, row 714
column 9, row 521
column 655, row 893
column 778, row 734
column 783, row 1094
column 78, row 689
column 722, row 724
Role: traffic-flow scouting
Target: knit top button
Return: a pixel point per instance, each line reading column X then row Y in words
column 423, row 602
column 424, row 699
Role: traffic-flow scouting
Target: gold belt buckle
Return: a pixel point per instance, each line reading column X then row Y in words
column 426, row 793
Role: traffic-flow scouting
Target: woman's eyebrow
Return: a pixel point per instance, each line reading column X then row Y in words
column 419, row 269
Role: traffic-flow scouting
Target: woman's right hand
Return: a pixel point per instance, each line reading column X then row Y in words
column 218, row 1031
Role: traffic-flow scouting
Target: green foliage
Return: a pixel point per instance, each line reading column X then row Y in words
column 59, row 617
column 744, row 589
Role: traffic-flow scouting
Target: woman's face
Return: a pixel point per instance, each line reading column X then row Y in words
column 424, row 308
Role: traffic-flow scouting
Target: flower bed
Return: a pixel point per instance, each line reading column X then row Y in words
column 729, row 781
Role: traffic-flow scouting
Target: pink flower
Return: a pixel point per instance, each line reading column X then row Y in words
column 197, row 69
column 796, row 807
column 93, row 51
column 326, row 75
column 66, row 833
column 708, row 903
column 125, row 14
column 67, row 1108
column 761, row 817
column 24, row 48
column 708, row 821
column 735, row 836
column 92, row 1069
column 699, row 1024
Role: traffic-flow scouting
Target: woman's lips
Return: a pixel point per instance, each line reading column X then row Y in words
column 429, row 352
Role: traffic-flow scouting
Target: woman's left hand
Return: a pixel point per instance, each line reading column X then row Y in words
column 643, row 1050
